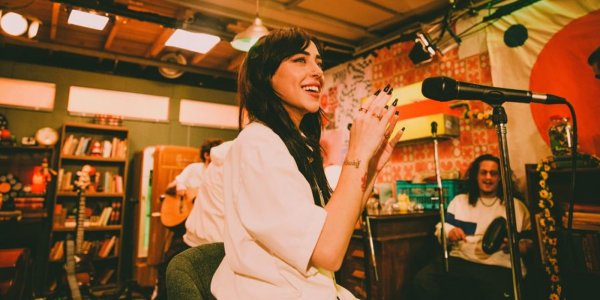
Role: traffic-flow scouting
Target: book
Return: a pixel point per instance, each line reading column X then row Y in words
column 105, row 277
column 107, row 246
column 578, row 207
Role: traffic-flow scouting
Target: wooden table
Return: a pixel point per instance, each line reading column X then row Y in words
column 403, row 244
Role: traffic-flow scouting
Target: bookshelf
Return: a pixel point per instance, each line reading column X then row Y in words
column 578, row 252
column 33, row 205
column 105, row 149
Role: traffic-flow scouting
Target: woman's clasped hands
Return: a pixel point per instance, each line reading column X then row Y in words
column 371, row 137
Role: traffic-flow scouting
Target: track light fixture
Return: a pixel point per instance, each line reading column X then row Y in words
column 16, row 24
column 423, row 51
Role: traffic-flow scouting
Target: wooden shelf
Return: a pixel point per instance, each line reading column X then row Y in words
column 89, row 228
column 571, row 259
column 77, row 126
column 108, row 168
column 7, row 149
column 84, row 158
column 29, row 228
column 90, row 195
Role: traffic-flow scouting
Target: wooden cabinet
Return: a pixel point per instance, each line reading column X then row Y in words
column 579, row 251
column 404, row 243
column 154, row 168
column 24, row 217
column 105, row 149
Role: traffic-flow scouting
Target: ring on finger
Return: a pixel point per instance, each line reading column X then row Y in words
column 378, row 116
column 363, row 109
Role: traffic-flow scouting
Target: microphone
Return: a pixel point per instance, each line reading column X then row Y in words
column 445, row 89
column 434, row 128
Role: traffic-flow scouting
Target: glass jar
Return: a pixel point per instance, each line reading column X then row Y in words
column 560, row 136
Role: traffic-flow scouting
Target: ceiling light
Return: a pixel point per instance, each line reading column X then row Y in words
column 244, row 40
column 86, row 19
column 33, row 29
column 16, row 24
column 13, row 24
column 193, row 41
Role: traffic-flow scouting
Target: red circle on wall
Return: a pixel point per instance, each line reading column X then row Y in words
column 562, row 69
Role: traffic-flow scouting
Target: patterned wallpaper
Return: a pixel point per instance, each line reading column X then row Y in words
column 348, row 84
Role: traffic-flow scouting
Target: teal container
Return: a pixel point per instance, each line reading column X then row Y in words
column 425, row 193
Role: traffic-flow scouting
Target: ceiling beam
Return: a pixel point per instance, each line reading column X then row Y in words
column 377, row 5
column 198, row 57
column 159, row 43
column 234, row 63
column 222, row 11
column 119, row 22
column 118, row 57
column 54, row 20
column 293, row 3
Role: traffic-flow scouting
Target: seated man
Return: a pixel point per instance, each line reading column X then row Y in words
column 474, row 274
column 186, row 183
column 205, row 223
column 190, row 178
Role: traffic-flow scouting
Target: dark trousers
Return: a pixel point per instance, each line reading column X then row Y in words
column 177, row 246
column 465, row 280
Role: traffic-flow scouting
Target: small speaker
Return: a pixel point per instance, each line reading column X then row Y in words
column 175, row 58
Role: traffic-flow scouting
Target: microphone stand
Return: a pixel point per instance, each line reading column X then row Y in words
column 367, row 227
column 500, row 119
column 440, row 193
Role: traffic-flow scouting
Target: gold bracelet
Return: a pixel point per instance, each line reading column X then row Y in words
column 355, row 163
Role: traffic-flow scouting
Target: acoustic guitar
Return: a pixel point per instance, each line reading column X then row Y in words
column 79, row 268
column 175, row 209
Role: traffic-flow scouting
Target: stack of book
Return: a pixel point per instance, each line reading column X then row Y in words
column 32, row 207
column 95, row 146
column 586, row 237
column 585, row 217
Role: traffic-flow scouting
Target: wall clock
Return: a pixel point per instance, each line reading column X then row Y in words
column 46, row 136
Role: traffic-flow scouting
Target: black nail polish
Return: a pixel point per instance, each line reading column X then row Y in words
column 403, row 128
column 386, row 88
column 395, row 102
column 386, row 106
column 378, row 91
column 349, row 126
column 390, row 91
column 397, row 113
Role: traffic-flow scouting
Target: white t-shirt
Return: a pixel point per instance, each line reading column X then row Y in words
column 191, row 176
column 474, row 220
column 271, row 225
column 332, row 172
column 205, row 223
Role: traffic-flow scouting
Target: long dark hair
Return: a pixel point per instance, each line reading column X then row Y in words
column 473, row 185
column 260, row 102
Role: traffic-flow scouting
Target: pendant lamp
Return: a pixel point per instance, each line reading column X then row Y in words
column 244, row 40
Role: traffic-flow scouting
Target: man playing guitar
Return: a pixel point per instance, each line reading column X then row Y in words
column 176, row 206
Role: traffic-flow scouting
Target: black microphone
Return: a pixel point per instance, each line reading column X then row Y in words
column 445, row 89
column 434, row 128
